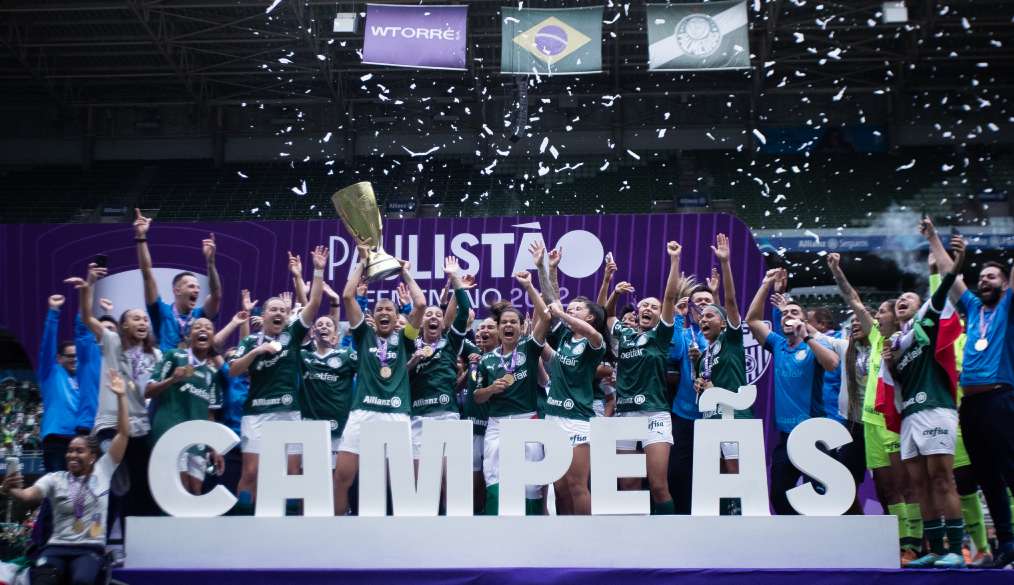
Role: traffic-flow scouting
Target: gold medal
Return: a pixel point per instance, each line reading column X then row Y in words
column 509, row 378
column 385, row 372
column 78, row 525
column 188, row 371
column 981, row 344
column 96, row 529
column 427, row 351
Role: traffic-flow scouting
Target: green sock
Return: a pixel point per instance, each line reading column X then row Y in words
column 492, row 500
column 935, row 531
column 666, row 508
column 913, row 540
column 955, row 529
column 971, row 511
column 533, row 506
column 898, row 510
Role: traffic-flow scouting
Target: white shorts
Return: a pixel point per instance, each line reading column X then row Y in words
column 193, row 465
column 659, row 430
column 599, row 407
column 417, row 424
column 578, row 431
column 929, row 432
column 250, row 430
column 730, row 451
column 335, row 442
column 491, row 453
column 350, row 435
column 478, row 445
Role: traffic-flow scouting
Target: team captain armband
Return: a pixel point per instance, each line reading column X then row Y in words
column 410, row 331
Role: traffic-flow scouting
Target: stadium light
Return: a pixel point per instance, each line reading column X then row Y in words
column 895, row 11
column 345, row 22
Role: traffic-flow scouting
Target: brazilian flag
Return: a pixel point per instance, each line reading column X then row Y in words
column 558, row 41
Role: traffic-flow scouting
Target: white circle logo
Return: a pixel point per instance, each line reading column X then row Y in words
column 568, row 404
column 801, row 355
column 698, row 35
column 284, row 338
column 642, row 340
column 444, row 399
column 393, row 339
column 920, row 397
column 334, row 425
column 334, row 363
column 639, row 399
column 586, row 253
column 396, row 402
column 579, row 348
column 287, row 399
column 520, row 359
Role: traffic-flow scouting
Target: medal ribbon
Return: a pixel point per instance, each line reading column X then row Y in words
column 183, row 322
column 78, row 495
column 708, row 362
column 983, row 323
column 135, row 358
column 382, row 352
column 513, row 366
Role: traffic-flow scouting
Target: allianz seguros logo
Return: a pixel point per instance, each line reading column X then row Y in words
column 757, row 358
column 551, row 40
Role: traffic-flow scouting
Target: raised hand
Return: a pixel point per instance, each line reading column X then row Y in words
column 926, row 228
column 674, row 249
column 538, row 251
column 555, row 308
column 771, row 275
column 713, row 281
column 76, row 281
column 106, row 305
column 681, row 306
column 451, row 266
column 95, row 273
column 404, row 297
column 245, row 301
column 330, row 292
column 361, row 288
column 958, row 245
column 555, row 256
column 116, row 383
column 624, row 287
column 406, row 266
column 208, row 248
column 782, row 281
column 56, row 301
column 721, row 248
column 286, row 298
column 320, row 256
column 295, row 266
column 141, row 224
column 779, row 300
column 468, row 281
column 363, row 250
column 834, row 260
column 256, row 323
column 240, row 317
column 610, row 268
column 524, row 278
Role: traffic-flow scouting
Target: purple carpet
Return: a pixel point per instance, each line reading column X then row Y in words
column 568, row 577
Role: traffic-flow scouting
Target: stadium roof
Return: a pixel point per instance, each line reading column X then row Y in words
column 208, row 52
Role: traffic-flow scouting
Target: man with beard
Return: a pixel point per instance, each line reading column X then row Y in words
column 184, row 387
column 171, row 323
column 986, row 413
column 383, row 391
column 272, row 359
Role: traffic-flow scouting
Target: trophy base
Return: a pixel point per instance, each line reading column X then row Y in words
column 380, row 266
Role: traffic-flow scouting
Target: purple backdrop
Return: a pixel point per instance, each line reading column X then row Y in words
column 430, row 37
column 252, row 255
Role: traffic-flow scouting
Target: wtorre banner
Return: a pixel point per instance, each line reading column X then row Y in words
column 423, row 37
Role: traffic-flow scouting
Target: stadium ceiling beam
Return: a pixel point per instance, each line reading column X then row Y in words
column 157, row 27
column 36, row 62
column 308, row 30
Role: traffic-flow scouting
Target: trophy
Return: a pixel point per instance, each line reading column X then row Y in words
column 357, row 206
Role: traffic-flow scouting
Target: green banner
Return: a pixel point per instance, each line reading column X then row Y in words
column 698, row 36
column 563, row 41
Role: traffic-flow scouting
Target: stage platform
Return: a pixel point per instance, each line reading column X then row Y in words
column 556, row 576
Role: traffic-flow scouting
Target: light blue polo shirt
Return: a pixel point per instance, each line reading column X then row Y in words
column 799, row 382
column 684, row 405
column 992, row 365
column 167, row 327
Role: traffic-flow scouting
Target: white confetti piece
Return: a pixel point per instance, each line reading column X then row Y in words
column 428, row 152
column 633, row 154
column 268, row 11
column 301, row 190
column 906, row 167
column 366, row 77
column 327, row 137
column 760, row 136
column 240, row 173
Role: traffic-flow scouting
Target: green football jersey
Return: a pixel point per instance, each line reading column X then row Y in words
column 923, row 381
column 373, row 391
column 328, row 386
column 477, row 413
column 724, row 363
column 433, row 378
column 571, row 376
column 274, row 379
column 192, row 398
column 523, row 363
column 640, row 374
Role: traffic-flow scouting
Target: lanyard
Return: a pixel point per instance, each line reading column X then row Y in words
column 513, row 366
column 382, row 351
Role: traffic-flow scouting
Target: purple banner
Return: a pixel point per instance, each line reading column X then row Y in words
column 425, row 37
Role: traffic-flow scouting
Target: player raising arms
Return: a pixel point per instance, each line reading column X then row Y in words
column 640, row 383
column 383, row 391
